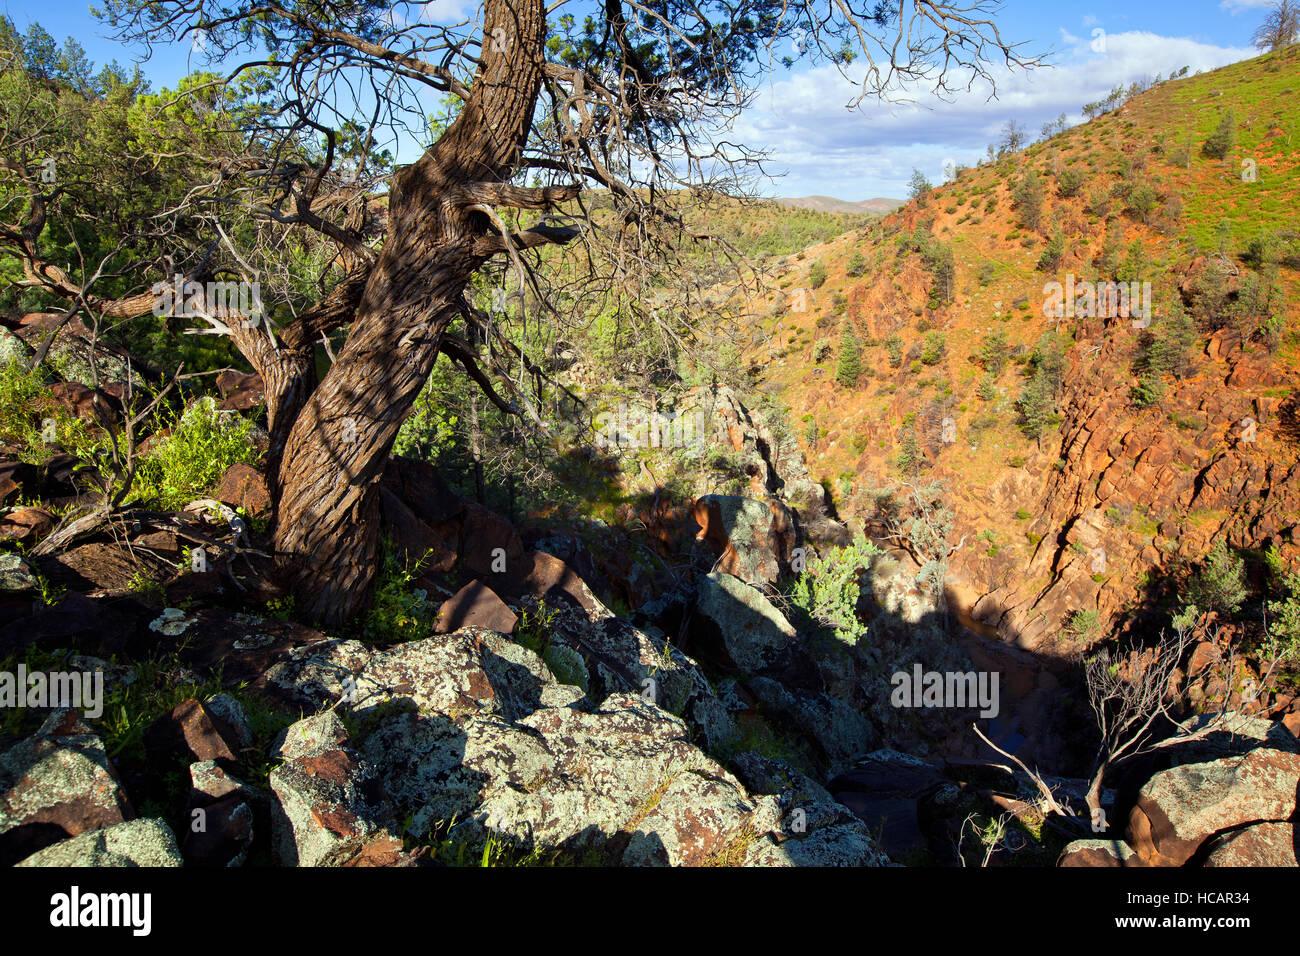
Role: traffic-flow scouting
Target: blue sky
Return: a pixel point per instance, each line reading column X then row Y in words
column 822, row 148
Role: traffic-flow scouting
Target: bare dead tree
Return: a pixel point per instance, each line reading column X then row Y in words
column 634, row 106
column 1281, row 27
column 923, row 526
column 1133, row 696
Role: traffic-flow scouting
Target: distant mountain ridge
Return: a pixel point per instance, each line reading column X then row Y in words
column 879, row 205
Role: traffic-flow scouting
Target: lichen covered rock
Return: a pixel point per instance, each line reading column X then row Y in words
column 146, row 842
column 56, row 784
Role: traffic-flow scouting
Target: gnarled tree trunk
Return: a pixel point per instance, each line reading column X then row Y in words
column 338, row 443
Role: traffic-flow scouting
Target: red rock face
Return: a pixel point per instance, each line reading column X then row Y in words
column 240, row 391
column 92, row 405
column 1264, row 844
column 1124, row 481
column 26, row 525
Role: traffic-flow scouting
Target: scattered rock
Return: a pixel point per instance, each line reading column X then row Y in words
column 1292, row 723
column 13, row 349
column 193, row 730
column 75, row 349
column 327, row 802
column 221, row 833
column 243, row 486
column 221, row 818
column 884, row 790
column 754, row 540
column 416, row 540
column 489, row 544
column 694, row 822
column 172, row 622
column 474, row 728
column 838, row 731
column 56, row 784
column 1104, row 853
column 15, row 574
column 88, row 404
column 17, row 479
column 240, row 391
column 210, row 781
column 148, row 842
column 475, row 605
column 26, row 525
column 225, row 708
column 754, row 635
column 848, row 844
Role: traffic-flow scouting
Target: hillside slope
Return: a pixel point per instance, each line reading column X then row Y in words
column 1143, row 460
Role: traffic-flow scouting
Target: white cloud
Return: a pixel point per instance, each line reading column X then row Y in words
column 871, row 151
column 1237, row 6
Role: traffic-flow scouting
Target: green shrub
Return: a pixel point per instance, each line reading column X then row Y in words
column 1141, row 200
column 1083, row 626
column 827, row 591
column 909, row 455
column 817, row 275
column 850, row 365
column 203, row 443
column 1037, row 400
column 1283, row 616
column 1220, row 582
column 1053, row 252
column 894, row 345
column 1028, row 196
column 918, row 187
column 1069, row 182
column 1135, row 266
column 33, row 422
column 1165, row 349
column 1222, row 139
column 938, row 259
column 1149, row 390
column 936, row 345
column 1112, row 246
column 1099, row 203
column 398, row 611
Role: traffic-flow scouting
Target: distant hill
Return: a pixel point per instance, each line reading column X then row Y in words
column 831, row 204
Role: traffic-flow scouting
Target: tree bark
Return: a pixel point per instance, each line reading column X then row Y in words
column 476, row 450
column 327, row 534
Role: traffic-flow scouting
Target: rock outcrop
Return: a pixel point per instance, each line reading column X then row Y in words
column 475, row 729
